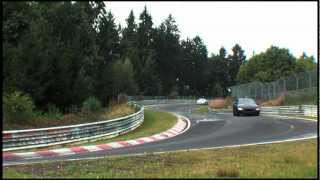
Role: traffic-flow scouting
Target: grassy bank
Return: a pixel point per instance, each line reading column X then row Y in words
column 41, row 121
column 282, row 160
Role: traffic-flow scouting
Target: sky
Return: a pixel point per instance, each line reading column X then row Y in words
column 255, row 26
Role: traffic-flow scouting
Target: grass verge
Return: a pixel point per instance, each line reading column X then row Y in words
column 201, row 110
column 154, row 122
column 282, row 160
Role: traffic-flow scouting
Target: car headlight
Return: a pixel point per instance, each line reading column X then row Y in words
column 240, row 108
column 258, row 109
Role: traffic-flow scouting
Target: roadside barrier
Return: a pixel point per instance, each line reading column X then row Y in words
column 180, row 127
column 33, row 138
column 166, row 101
column 301, row 110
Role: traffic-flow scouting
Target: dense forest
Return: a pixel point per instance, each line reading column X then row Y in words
column 61, row 53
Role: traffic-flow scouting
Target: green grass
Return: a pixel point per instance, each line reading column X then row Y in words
column 282, row 160
column 154, row 122
column 201, row 110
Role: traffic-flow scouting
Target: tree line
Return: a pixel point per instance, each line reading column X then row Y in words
column 64, row 52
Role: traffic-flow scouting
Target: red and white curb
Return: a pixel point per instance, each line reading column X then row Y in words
column 180, row 127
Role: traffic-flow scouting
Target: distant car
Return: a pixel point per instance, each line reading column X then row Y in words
column 202, row 101
column 245, row 106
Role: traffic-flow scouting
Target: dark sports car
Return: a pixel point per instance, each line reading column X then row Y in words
column 245, row 106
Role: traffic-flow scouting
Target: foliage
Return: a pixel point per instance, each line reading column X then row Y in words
column 123, row 78
column 63, row 52
column 268, row 66
column 217, row 91
column 305, row 63
column 235, row 61
column 91, row 104
column 17, row 107
column 53, row 112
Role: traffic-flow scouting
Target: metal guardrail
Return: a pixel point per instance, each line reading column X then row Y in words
column 301, row 110
column 32, row 138
column 166, row 101
column 138, row 98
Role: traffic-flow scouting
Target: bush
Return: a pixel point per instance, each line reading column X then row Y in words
column 91, row 104
column 18, row 107
column 53, row 112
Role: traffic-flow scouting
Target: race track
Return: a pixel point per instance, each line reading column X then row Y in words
column 210, row 130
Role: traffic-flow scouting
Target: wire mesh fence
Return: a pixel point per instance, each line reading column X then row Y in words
column 303, row 82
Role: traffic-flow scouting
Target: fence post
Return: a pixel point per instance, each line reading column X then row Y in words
column 297, row 81
column 284, row 85
column 255, row 92
column 310, row 80
column 261, row 89
column 274, row 89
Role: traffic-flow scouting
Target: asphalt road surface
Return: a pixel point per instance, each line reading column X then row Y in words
column 211, row 130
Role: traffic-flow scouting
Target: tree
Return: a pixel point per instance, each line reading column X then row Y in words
column 145, row 73
column 218, row 72
column 217, row 90
column 108, row 43
column 167, row 48
column 222, row 52
column 129, row 42
column 268, row 66
column 193, row 62
column 235, row 61
column 16, row 24
column 129, row 36
column 51, row 52
column 122, row 78
column 305, row 63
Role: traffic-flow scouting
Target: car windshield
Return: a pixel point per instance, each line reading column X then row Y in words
column 246, row 101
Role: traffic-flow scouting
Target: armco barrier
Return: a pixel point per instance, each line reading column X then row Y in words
column 32, row 138
column 302, row 110
column 166, row 101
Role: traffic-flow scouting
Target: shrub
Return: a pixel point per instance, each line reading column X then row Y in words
column 18, row 107
column 53, row 112
column 91, row 104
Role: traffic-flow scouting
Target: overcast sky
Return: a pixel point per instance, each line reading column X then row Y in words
column 255, row 26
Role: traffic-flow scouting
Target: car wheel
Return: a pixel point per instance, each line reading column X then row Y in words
column 258, row 113
column 235, row 113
